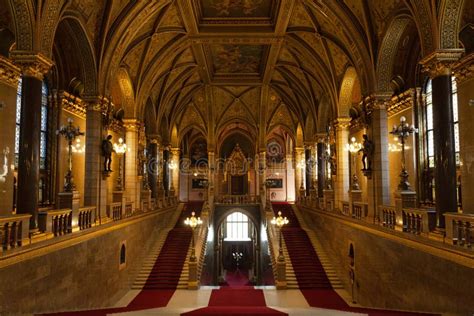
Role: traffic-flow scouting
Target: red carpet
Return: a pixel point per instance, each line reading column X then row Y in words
column 164, row 277
column 310, row 274
column 236, row 302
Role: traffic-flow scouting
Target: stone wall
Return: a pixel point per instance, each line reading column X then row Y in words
column 84, row 273
column 394, row 273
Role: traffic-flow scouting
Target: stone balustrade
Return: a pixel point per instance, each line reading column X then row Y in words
column 346, row 208
column 56, row 222
column 460, row 229
column 128, row 209
column 418, row 221
column 237, row 199
column 86, row 216
column 388, row 216
column 14, row 231
column 359, row 210
column 114, row 211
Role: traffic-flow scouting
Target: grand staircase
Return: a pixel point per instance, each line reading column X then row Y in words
column 166, row 267
column 309, row 266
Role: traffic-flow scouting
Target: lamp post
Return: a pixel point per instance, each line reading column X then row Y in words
column 193, row 222
column 279, row 222
column 353, row 148
column 120, row 148
column 172, row 166
column 301, row 166
column 70, row 133
column 402, row 131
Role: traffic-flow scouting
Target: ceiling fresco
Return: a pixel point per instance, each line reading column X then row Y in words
column 237, row 59
column 236, row 8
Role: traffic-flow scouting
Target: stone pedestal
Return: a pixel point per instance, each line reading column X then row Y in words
column 356, row 196
column 193, row 283
column 119, row 197
column 328, row 200
column 71, row 200
column 405, row 199
column 281, row 275
column 146, row 200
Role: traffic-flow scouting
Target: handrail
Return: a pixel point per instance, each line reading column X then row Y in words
column 237, row 199
column 460, row 229
column 86, row 215
column 13, row 231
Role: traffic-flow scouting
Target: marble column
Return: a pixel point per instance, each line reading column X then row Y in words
column 212, row 175
column 300, row 171
column 464, row 73
column 321, row 152
column 262, row 166
column 378, row 184
column 343, row 173
column 132, row 182
column 9, row 76
column 34, row 67
column 152, row 164
column 309, row 165
column 166, row 170
column 174, row 173
column 439, row 65
column 95, row 184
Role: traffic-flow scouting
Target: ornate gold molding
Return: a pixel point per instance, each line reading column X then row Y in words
column 34, row 65
column 402, row 102
column 72, row 104
column 464, row 69
column 342, row 123
column 441, row 62
column 132, row 125
column 9, row 72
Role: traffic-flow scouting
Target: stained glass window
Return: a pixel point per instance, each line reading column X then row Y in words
column 237, row 227
column 429, row 126
column 44, row 124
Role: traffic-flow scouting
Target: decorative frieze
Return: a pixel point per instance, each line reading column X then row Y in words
column 72, row 104
column 401, row 102
column 441, row 62
column 31, row 64
column 9, row 72
column 464, row 69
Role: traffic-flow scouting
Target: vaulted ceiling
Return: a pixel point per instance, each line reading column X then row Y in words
column 206, row 63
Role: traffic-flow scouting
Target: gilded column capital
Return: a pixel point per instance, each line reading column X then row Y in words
column 34, row 65
column 131, row 125
column 464, row 69
column 321, row 138
column 96, row 103
column 154, row 139
column 9, row 72
column 342, row 123
column 441, row 62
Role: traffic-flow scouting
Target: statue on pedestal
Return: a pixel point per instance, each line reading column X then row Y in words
column 107, row 150
column 367, row 153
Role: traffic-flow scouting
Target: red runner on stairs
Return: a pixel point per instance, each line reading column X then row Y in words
column 310, row 274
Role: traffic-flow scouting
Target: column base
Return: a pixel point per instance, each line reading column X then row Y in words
column 71, row 200
column 405, row 199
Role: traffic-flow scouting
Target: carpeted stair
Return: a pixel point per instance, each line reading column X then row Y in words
column 309, row 271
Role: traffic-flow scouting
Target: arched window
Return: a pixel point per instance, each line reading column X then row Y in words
column 237, row 227
column 43, row 133
column 429, row 137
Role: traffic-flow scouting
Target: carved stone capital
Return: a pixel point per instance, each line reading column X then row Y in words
column 34, row 65
column 321, row 138
column 342, row 123
column 131, row 125
column 9, row 72
column 96, row 103
column 441, row 62
column 154, row 139
column 464, row 69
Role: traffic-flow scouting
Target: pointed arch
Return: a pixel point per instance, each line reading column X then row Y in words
column 346, row 92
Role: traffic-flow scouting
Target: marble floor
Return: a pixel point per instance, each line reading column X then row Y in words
column 291, row 302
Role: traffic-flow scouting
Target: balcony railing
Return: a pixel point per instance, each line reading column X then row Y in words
column 237, row 199
column 86, row 217
column 460, row 229
column 56, row 222
column 14, row 230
